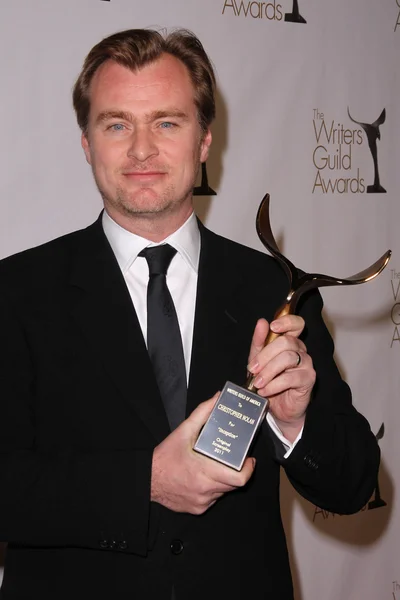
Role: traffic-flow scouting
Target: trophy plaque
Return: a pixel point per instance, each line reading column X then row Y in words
column 230, row 429
column 228, row 434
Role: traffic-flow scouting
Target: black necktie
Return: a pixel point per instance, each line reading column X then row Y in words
column 164, row 342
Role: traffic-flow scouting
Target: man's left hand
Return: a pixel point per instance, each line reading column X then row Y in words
column 284, row 372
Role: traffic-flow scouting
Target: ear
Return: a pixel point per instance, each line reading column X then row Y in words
column 86, row 147
column 205, row 146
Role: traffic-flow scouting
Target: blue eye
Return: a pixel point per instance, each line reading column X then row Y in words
column 166, row 125
column 117, row 127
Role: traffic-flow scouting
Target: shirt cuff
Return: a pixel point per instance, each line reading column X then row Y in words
column 288, row 445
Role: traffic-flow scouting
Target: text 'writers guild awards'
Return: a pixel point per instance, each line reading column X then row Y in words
column 239, row 411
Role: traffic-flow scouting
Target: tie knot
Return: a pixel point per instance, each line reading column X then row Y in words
column 158, row 258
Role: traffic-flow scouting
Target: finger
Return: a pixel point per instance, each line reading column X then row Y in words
column 300, row 377
column 230, row 478
column 284, row 350
column 280, row 356
column 248, row 467
column 258, row 340
column 220, row 488
column 288, row 324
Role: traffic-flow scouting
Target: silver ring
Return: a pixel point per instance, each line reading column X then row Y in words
column 298, row 359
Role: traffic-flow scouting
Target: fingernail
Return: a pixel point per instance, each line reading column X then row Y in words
column 258, row 382
column 253, row 367
column 276, row 326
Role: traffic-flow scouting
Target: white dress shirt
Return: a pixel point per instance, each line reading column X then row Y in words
column 181, row 280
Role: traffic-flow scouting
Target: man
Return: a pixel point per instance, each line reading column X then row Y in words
column 101, row 495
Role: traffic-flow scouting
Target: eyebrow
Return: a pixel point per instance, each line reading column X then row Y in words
column 108, row 115
column 165, row 114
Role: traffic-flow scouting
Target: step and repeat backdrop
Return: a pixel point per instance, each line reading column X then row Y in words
column 308, row 111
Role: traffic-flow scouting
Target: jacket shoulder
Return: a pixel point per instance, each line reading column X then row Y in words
column 242, row 256
column 48, row 256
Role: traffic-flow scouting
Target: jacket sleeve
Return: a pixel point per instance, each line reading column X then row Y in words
column 335, row 463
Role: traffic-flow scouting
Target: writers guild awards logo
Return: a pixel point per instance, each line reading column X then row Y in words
column 337, row 151
column 373, row 134
column 333, row 156
column 295, row 16
column 204, row 189
column 269, row 11
column 378, row 501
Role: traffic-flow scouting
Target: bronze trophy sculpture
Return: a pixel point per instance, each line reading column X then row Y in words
column 241, row 408
column 308, row 281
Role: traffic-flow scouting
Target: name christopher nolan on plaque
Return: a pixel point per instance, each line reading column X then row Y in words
column 230, row 429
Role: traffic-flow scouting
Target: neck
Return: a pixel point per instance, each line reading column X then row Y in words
column 154, row 227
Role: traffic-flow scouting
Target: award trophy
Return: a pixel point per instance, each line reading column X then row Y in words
column 237, row 415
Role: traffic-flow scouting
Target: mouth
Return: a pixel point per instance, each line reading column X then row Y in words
column 144, row 176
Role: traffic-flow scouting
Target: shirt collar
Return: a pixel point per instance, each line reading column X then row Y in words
column 126, row 245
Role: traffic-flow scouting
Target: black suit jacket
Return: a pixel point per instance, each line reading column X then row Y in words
column 80, row 415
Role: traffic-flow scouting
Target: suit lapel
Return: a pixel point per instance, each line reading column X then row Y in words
column 217, row 317
column 101, row 305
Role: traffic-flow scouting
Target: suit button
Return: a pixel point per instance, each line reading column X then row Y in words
column 122, row 545
column 309, row 461
column 176, row 547
column 103, row 544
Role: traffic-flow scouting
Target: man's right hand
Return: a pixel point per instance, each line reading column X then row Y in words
column 184, row 480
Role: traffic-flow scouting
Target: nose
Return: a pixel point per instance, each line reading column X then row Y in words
column 142, row 145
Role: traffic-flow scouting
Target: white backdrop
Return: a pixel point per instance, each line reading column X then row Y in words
column 283, row 127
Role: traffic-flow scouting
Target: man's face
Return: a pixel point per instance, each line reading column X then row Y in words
column 144, row 141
